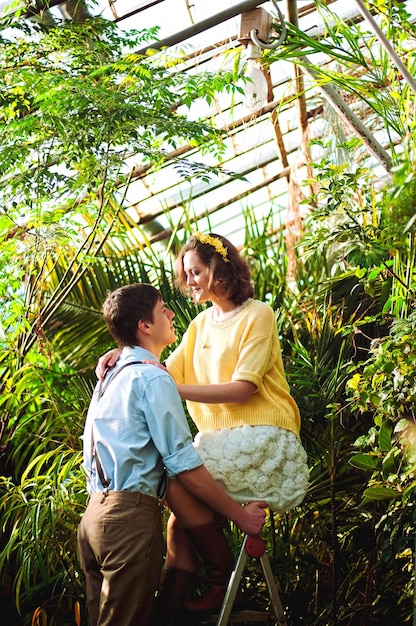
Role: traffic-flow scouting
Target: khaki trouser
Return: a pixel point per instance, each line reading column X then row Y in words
column 121, row 551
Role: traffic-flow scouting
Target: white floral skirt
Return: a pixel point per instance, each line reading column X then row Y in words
column 257, row 463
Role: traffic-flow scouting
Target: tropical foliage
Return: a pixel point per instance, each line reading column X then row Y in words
column 76, row 104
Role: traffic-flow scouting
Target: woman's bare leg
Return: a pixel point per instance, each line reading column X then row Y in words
column 187, row 512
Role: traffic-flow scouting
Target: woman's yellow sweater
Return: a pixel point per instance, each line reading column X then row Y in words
column 246, row 347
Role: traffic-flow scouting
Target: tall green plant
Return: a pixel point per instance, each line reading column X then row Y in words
column 384, row 386
column 77, row 103
column 42, row 490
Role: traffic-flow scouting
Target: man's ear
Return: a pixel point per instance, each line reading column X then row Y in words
column 143, row 326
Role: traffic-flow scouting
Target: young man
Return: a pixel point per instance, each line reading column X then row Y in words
column 135, row 431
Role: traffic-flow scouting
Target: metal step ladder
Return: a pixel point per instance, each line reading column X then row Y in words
column 256, row 548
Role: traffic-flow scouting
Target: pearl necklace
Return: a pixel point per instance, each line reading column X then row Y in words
column 228, row 314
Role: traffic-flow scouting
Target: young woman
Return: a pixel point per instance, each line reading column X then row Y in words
column 229, row 370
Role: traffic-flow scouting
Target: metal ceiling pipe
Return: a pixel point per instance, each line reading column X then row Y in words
column 135, row 11
column 200, row 27
column 292, row 12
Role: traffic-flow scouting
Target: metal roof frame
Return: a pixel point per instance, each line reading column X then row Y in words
column 283, row 125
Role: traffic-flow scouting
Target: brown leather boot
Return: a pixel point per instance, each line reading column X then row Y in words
column 212, row 548
column 174, row 588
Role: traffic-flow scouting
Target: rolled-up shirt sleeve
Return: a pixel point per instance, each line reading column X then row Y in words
column 182, row 460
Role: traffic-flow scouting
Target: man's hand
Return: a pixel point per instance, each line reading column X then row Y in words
column 252, row 518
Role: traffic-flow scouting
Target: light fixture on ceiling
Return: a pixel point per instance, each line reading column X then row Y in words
column 256, row 87
column 255, row 30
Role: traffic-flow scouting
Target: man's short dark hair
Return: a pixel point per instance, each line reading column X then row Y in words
column 124, row 307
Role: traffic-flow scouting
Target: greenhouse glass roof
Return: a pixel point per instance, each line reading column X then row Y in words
column 267, row 150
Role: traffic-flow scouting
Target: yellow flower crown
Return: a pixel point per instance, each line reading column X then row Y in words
column 215, row 243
